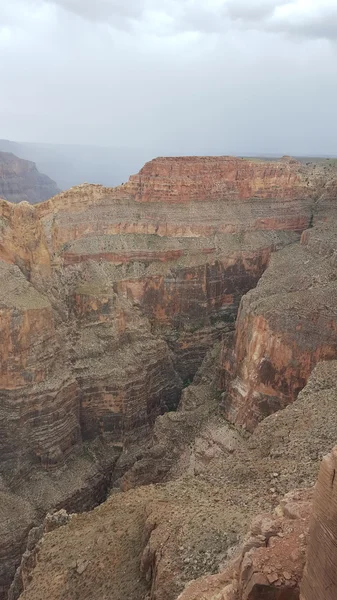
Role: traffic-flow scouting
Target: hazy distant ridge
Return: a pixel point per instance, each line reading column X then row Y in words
column 71, row 165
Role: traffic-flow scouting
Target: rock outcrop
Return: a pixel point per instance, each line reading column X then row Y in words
column 21, row 181
column 270, row 563
column 285, row 327
column 110, row 300
column 320, row 577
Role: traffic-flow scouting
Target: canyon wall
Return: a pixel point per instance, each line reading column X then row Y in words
column 21, row 181
column 320, row 577
column 224, row 524
column 124, row 290
column 110, row 300
column 285, row 327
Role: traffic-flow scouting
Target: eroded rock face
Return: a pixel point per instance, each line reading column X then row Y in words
column 111, row 298
column 35, row 379
column 17, row 517
column 124, row 290
column 285, row 327
column 20, row 180
column 188, row 536
column 320, row 578
column 125, row 373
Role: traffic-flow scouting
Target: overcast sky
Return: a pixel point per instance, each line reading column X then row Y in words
column 179, row 76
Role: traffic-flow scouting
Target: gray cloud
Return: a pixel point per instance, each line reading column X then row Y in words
column 319, row 23
column 252, row 11
column 174, row 76
column 114, row 11
column 314, row 19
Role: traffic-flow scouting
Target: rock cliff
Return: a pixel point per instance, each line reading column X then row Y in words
column 191, row 532
column 21, row 181
column 320, row 579
column 124, row 290
column 285, row 326
column 110, row 301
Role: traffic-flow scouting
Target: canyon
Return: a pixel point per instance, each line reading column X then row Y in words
column 168, row 356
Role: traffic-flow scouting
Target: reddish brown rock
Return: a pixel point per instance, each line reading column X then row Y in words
column 285, row 327
column 184, row 239
column 125, row 374
column 320, row 577
column 161, row 537
column 111, row 297
column 39, row 415
column 206, row 178
column 271, row 560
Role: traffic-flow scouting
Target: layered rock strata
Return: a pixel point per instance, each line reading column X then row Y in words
column 285, row 327
column 21, row 181
column 111, row 299
column 191, row 532
column 320, row 579
column 125, row 286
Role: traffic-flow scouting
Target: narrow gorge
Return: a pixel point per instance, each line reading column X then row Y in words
column 168, row 364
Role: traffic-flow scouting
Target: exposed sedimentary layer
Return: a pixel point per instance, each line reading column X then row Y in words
column 125, row 289
column 191, row 532
column 285, row 327
column 110, row 300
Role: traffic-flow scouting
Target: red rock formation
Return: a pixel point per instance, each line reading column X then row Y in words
column 206, row 178
column 185, row 238
column 39, row 396
column 205, row 195
column 125, row 373
column 320, row 576
column 285, row 327
column 110, row 297
column 186, row 283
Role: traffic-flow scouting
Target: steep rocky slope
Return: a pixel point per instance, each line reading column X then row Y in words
column 269, row 563
column 320, row 579
column 151, row 541
column 285, row 326
column 21, row 181
column 110, row 301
